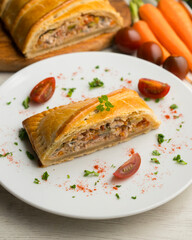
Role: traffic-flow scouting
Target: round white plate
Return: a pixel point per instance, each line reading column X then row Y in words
column 93, row 199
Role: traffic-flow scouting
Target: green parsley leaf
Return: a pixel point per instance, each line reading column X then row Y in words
column 113, row 166
column 118, row 186
column 104, row 99
column 121, row 79
column 107, row 70
column 22, row 134
column 93, row 173
column 147, row 99
column 73, row 196
column 20, row 150
column 8, row 103
column 173, row 106
column 82, row 78
column 133, row 197
column 168, row 140
column 16, row 143
column 30, row 156
column 117, row 195
column 97, row 67
column 97, row 182
column 45, row 176
column 65, row 89
column 36, row 181
column 73, row 186
column 96, row 83
column 6, row 154
column 68, row 176
column 156, row 153
column 47, row 107
column 155, row 160
column 179, row 160
column 70, row 92
column 26, row 103
column 157, row 100
column 156, row 173
column 160, row 138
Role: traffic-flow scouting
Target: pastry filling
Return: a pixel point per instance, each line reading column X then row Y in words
column 115, row 131
column 85, row 24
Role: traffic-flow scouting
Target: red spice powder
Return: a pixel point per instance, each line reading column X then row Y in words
column 167, row 116
column 115, row 188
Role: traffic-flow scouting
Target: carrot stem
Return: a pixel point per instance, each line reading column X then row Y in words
column 134, row 12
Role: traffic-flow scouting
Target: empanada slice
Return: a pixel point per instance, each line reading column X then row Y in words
column 79, row 128
column 42, row 26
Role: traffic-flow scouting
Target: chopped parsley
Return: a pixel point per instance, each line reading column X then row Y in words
column 65, row 89
column 160, row 138
column 92, row 173
column 117, row 195
column 179, row 160
column 157, row 100
column 73, row 186
column 8, row 103
column 121, row 79
column 45, row 176
column 173, row 106
column 108, row 105
column 22, row 134
column 168, row 140
column 73, row 196
column 107, row 70
column 155, row 160
column 68, row 176
column 16, row 143
column 47, row 107
column 26, row 103
column 70, row 92
column 156, row 173
column 95, row 83
column 30, row 156
column 133, row 197
column 82, row 78
column 156, row 153
column 36, row 181
column 97, row 182
column 6, row 154
column 147, row 99
column 113, row 166
column 20, row 150
column 97, row 67
column 118, row 186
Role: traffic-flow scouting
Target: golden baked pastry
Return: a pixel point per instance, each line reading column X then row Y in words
column 79, row 128
column 41, row 26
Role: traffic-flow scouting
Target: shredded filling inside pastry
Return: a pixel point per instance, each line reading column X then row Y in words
column 85, row 24
column 110, row 132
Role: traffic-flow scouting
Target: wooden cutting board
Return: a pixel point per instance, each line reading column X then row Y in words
column 12, row 60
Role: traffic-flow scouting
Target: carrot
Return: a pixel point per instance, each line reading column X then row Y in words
column 183, row 5
column 164, row 33
column 177, row 17
column 143, row 29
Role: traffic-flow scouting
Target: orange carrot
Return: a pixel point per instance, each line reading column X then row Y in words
column 147, row 35
column 177, row 17
column 164, row 33
column 143, row 29
column 183, row 5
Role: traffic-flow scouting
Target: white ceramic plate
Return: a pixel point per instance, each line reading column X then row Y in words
column 91, row 201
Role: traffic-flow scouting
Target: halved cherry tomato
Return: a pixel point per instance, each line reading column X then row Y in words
column 128, row 168
column 43, row 91
column 153, row 89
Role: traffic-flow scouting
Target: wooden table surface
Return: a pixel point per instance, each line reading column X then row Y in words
column 172, row 221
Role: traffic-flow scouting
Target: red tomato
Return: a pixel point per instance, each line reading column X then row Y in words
column 128, row 168
column 153, row 89
column 127, row 40
column 43, row 91
column 177, row 65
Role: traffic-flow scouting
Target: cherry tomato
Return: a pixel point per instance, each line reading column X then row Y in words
column 43, row 91
column 128, row 168
column 153, row 89
column 151, row 52
column 127, row 40
column 177, row 65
